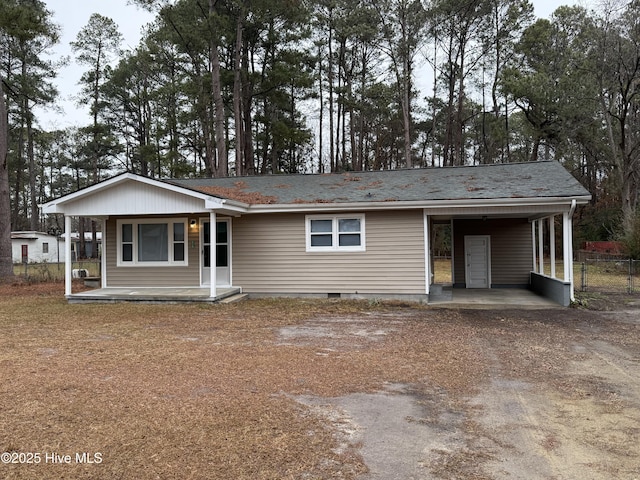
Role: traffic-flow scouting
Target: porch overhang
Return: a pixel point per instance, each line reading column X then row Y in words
column 134, row 196
column 130, row 194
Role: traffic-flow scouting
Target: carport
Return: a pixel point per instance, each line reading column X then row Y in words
column 509, row 246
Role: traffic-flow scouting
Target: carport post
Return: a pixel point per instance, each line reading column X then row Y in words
column 213, row 240
column 541, row 246
column 567, row 252
column 427, row 253
column 533, row 246
column 67, row 255
column 552, row 242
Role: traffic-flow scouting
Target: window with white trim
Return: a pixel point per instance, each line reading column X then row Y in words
column 340, row 233
column 153, row 242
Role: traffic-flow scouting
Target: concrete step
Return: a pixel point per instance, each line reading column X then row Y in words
column 235, row 298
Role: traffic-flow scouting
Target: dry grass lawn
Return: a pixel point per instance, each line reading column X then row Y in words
column 192, row 391
column 257, row 390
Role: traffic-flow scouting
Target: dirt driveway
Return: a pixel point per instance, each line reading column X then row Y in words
column 558, row 398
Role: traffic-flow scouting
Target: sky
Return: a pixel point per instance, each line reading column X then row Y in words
column 73, row 15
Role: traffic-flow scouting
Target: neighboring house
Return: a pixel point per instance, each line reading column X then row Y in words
column 36, row 247
column 359, row 234
column 40, row 247
column 88, row 244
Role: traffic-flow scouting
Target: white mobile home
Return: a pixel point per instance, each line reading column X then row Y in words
column 36, row 247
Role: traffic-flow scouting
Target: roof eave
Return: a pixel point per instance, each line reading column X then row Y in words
column 210, row 201
column 54, row 206
column 413, row 204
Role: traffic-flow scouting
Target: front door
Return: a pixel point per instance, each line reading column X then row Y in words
column 478, row 261
column 222, row 246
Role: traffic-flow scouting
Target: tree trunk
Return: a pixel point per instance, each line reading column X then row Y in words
column 237, row 98
column 33, row 201
column 361, row 130
column 247, row 96
column 321, row 113
column 332, row 159
column 19, row 168
column 535, row 149
column 28, row 118
column 623, row 168
column 6, row 261
column 459, row 153
column 448, row 146
column 222, row 167
column 81, row 253
column 406, row 111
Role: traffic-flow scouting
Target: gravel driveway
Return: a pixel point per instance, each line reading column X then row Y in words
column 560, row 400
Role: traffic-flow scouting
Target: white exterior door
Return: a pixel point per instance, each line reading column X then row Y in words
column 477, row 250
column 222, row 238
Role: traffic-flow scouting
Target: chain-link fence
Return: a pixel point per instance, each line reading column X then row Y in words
column 607, row 276
column 589, row 275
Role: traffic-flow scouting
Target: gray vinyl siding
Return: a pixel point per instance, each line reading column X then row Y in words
column 136, row 276
column 511, row 250
column 269, row 256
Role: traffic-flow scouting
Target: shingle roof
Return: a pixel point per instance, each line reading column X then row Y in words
column 496, row 181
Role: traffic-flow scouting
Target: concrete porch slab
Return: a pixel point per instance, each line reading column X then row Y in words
column 152, row 295
column 490, row 298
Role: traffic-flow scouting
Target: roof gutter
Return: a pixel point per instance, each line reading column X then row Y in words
column 394, row 205
column 214, row 203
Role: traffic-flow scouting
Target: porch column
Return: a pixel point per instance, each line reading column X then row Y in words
column 567, row 250
column 103, row 256
column 67, row 255
column 213, row 240
column 552, row 244
column 427, row 253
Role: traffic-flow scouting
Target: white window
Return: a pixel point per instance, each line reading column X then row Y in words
column 335, row 233
column 153, row 242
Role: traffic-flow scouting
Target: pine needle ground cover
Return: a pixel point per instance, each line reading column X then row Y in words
column 275, row 389
column 189, row 391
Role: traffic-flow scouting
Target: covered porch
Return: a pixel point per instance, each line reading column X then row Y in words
column 158, row 241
